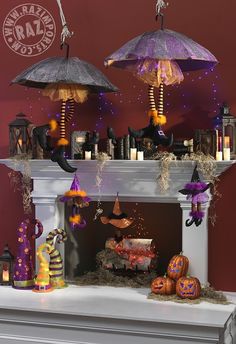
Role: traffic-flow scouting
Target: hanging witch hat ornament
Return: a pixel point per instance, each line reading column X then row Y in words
column 78, row 199
column 117, row 218
column 196, row 193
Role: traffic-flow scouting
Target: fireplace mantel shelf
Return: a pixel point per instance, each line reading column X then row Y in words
column 134, row 180
column 104, row 315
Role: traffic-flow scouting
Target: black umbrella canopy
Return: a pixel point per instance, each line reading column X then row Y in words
column 65, row 70
column 162, row 45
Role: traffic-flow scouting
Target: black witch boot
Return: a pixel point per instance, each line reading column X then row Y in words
column 58, row 156
column 41, row 134
column 159, row 137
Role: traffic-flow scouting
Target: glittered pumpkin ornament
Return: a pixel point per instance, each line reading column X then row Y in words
column 163, row 285
column 77, row 199
column 178, row 266
column 196, row 193
column 42, row 281
column 66, row 79
column 159, row 58
column 188, row 288
column 56, row 264
column 23, row 276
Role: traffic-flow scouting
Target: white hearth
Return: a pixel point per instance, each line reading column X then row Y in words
column 136, row 181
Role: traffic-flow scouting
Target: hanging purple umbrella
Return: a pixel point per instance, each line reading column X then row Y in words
column 157, row 58
column 162, row 45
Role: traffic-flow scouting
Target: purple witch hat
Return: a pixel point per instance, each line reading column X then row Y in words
column 195, row 191
column 78, row 199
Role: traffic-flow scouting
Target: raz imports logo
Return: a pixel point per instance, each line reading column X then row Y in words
column 29, row 29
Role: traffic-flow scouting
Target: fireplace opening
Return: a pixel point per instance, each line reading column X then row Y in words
column 158, row 221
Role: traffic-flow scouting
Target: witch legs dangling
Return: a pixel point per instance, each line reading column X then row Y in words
column 157, row 119
column 58, row 154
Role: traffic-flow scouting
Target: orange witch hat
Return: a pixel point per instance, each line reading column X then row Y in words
column 117, row 218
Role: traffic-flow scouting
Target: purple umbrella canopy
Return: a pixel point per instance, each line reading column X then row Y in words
column 162, row 45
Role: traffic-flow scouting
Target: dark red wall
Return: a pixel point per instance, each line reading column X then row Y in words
column 100, row 28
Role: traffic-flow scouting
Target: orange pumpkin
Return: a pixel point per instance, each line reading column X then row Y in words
column 188, row 288
column 178, row 267
column 163, row 285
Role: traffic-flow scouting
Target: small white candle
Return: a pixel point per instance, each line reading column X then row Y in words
column 219, row 156
column 87, row 155
column 133, row 153
column 140, row 155
column 227, row 154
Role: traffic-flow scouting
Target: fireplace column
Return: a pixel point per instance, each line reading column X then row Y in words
column 51, row 213
column 195, row 242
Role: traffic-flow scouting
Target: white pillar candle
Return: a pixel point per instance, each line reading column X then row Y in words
column 227, row 154
column 219, row 156
column 140, row 155
column 133, row 153
column 87, row 155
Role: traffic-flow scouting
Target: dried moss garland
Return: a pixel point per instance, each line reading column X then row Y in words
column 102, row 277
column 164, row 177
column 102, row 159
column 21, row 182
column 208, row 294
column 206, row 164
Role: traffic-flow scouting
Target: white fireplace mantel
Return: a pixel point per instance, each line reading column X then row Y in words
column 136, row 181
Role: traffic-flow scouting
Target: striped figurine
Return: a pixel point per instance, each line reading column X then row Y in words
column 56, row 264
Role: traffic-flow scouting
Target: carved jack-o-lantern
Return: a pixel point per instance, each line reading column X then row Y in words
column 178, row 267
column 163, row 285
column 188, row 288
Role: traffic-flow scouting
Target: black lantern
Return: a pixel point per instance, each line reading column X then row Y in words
column 20, row 139
column 6, row 267
column 225, row 124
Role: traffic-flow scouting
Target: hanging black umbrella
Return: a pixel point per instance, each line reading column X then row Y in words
column 68, row 79
column 65, row 70
column 158, row 58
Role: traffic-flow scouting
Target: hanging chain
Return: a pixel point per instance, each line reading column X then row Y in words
column 65, row 33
